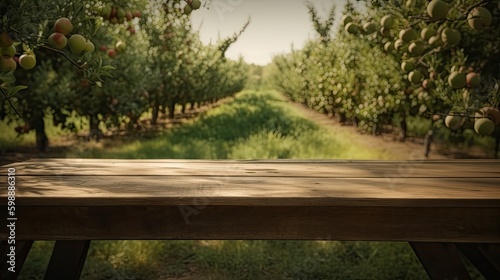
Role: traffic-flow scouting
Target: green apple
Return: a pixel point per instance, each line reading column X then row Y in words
column 120, row 46
column 346, row 19
column 416, row 48
column 415, row 76
column 8, row 51
column 389, row 46
column 479, row 18
column 369, row 27
column 451, row 36
column 385, row 32
column 105, row 11
column 437, row 9
column 196, row 4
column 491, row 113
column 435, row 41
column 428, row 84
column 407, row 66
column 484, row 126
column 398, row 44
column 408, row 35
column 89, row 47
column 77, row 43
column 427, row 33
column 121, row 13
column 187, row 9
column 388, row 21
column 352, row 28
column 457, row 80
column 27, row 61
column 410, row 4
column 7, row 64
column 453, row 122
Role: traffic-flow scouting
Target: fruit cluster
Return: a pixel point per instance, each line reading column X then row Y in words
column 440, row 34
column 116, row 14
column 485, row 120
column 119, row 47
column 191, row 5
column 76, row 42
column 8, row 58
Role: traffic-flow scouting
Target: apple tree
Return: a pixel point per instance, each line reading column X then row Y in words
column 49, row 41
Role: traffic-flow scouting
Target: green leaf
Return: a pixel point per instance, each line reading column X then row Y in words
column 108, row 67
column 16, row 89
column 8, row 79
column 106, row 74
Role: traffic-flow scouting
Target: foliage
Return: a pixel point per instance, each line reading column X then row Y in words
column 146, row 57
column 363, row 72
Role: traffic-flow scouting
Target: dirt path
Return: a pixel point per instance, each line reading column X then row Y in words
column 385, row 143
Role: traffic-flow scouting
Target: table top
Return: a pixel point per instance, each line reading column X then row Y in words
column 87, row 182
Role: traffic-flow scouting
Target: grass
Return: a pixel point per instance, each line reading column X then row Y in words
column 255, row 125
column 10, row 140
column 237, row 259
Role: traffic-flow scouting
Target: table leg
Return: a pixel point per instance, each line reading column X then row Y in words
column 440, row 260
column 22, row 250
column 485, row 257
column 67, row 260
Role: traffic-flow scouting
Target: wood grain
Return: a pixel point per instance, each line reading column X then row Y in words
column 267, row 168
column 431, row 201
column 258, row 222
column 168, row 190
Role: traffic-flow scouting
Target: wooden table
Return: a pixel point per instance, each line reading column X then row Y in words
column 440, row 207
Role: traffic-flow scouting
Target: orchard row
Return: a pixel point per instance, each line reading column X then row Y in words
column 437, row 59
column 108, row 61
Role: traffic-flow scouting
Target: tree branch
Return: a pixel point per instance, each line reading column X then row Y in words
column 65, row 55
column 10, row 103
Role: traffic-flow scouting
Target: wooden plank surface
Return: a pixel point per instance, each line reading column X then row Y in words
column 291, row 183
column 268, row 168
column 166, row 190
column 208, row 222
column 455, row 201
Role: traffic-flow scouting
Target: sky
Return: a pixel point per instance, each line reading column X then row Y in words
column 275, row 25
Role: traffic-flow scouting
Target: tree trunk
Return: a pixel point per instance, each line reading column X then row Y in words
column 171, row 109
column 404, row 130
column 342, row 118
column 355, row 121
column 38, row 123
column 133, row 124
column 95, row 132
column 156, row 111
column 427, row 143
column 163, row 110
column 183, row 110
